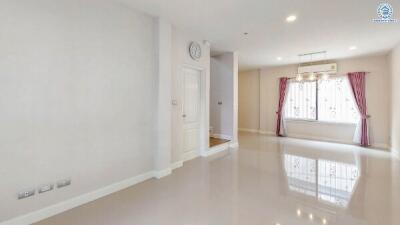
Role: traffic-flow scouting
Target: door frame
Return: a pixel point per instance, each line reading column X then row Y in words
column 204, row 112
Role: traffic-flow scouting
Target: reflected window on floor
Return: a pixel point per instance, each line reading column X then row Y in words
column 328, row 181
column 336, row 181
column 301, row 173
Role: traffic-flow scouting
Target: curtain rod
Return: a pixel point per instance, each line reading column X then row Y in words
column 336, row 75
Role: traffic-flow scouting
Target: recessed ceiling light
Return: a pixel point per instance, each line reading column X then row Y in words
column 351, row 48
column 311, row 216
column 324, row 221
column 279, row 58
column 291, row 18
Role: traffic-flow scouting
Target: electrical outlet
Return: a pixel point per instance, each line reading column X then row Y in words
column 63, row 183
column 45, row 188
column 26, row 194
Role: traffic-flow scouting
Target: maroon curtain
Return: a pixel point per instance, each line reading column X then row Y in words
column 280, row 129
column 357, row 82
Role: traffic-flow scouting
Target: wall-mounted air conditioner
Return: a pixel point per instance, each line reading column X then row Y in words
column 321, row 68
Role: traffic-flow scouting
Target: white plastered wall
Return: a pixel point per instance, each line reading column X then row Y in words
column 395, row 100
column 86, row 91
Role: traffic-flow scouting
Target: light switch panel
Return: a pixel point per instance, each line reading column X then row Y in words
column 26, row 194
column 63, row 183
column 45, row 188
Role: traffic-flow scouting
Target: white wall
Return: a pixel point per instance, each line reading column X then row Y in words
column 223, row 89
column 86, row 92
column 395, row 110
column 249, row 100
column 180, row 57
column 378, row 102
column 77, row 94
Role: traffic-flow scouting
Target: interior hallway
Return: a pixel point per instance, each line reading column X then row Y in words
column 266, row 181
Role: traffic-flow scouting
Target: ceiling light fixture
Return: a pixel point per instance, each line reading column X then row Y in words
column 311, row 216
column 299, row 212
column 291, row 18
column 312, row 76
column 352, row 48
column 279, row 58
column 299, row 77
column 325, row 76
column 324, row 221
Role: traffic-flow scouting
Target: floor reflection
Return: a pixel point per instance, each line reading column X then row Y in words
column 328, row 181
column 267, row 181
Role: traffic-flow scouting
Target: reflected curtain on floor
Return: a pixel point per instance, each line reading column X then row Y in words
column 357, row 82
column 280, row 126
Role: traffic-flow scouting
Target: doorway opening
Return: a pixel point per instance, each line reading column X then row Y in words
column 223, row 100
column 217, row 141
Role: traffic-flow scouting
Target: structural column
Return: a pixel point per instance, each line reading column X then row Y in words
column 235, row 59
column 162, row 158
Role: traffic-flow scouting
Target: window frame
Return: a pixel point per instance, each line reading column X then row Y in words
column 316, row 120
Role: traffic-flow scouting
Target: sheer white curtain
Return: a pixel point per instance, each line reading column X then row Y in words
column 336, row 101
column 301, row 100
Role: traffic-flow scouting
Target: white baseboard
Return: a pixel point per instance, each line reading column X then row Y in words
column 176, row 165
column 248, row 130
column 339, row 141
column 308, row 137
column 58, row 208
column 266, row 132
column 189, row 155
column 381, row 146
column 257, row 131
column 215, row 150
column 395, row 153
column 162, row 173
column 221, row 136
column 234, row 144
column 332, row 140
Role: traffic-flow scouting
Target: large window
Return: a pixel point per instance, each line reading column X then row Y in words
column 328, row 100
column 301, row 101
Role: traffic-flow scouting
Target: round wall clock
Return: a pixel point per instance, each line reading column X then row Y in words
column 195, row 50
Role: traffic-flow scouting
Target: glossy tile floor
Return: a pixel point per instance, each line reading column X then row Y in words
column 267, row 181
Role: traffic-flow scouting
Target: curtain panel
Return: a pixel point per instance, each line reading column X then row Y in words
column 280, row 126
column 357, row 83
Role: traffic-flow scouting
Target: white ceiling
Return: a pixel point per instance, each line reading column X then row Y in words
column 331, row 25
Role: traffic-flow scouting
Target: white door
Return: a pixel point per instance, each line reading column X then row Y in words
column 191, row 112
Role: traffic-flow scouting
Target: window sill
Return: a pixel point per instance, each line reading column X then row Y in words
column 320, row 122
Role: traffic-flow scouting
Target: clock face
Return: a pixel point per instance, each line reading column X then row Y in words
column 195, row 50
